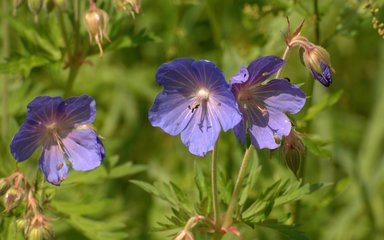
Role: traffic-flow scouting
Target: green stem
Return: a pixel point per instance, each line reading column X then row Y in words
column 215, row 201
column 74, row 70
column 6, row 53
column 227, row 221
column 285, row 55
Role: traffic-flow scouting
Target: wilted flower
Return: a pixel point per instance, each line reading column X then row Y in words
column 263, row 104
column 96, row 21
column 196, row 102
column 131, row 6
column 63, row 128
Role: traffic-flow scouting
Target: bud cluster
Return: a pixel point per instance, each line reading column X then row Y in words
column 17, row 192
column 379, row 26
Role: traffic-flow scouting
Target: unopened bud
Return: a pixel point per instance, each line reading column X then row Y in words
column 35, row 7
column 16, row 5
column 21, row 223
column 61, row 4
column 12, row 198
column 293, row 151
column 39, row 233
column 131, row 6
column 49, row 5
column 4, row 185
column 96, row 21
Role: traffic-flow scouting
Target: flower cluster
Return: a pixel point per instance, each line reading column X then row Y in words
column 197, row 102
column 63, row 128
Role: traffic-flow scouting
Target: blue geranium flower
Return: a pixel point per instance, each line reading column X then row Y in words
column 62, row 128
column 263, row 104
column 196, row 103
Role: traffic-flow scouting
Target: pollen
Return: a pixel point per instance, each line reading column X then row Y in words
column 202, row 95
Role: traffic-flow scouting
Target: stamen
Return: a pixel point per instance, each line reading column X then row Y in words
column 202, row 95
column 263, row 110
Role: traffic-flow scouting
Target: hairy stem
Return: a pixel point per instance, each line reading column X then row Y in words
column 215, row 201
column 285, row 55
column 227, row 221
column 6, row 54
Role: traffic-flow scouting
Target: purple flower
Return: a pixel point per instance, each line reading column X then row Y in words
column 263, row 104
column 318, row 62
column 62, row 128
column 196, row 103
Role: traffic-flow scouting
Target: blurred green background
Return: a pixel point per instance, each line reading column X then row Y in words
column 347, row 135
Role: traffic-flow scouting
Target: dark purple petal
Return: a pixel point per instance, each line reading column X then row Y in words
column 43, row 109
column 224, row 107
column 83, row 149
column 240, row 77
column 202, row 131
column 53, row 165
column 26, row 140
column 177, row 76
column 325, row 77
column 263, row 68
column 170, row 112
column 240, row 131
column 78, row 110
column 280, row 95
column 208, row 75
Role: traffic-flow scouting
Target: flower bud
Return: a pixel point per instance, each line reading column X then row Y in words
column 21, row 223
column 49, row 5
column 131, row 6
column 12, row 198
column 61, row 4
column 4, row 185
column 16, row 5
column 96, row 21
column 35, row 7
column 293, row 151
column 39, row 233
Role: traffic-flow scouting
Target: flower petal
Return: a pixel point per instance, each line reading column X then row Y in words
column 26, row 140
column 262, row 68
column 240, row 77
column 224, row 107
column 53, row 165
column 325, row 77
column 170, row 112
column 240, row 131
column 279, row 123
column 262, row 137
column 44, row 109
column 208, row 75
column 78, row 110
column 177, row 75
column 83, row 149
column 202, row 131
column 280, row 95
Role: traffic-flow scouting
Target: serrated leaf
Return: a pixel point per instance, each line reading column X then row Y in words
column 315, row 147
column 326, row 102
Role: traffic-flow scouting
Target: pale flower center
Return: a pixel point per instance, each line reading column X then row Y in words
column 202, row 95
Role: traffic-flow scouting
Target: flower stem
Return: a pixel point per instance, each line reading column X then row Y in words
column 6, row 53
column 285, row 55
column 215, row 201
column 227, row 221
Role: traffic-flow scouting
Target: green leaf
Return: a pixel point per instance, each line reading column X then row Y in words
column 125, row 169
column 146, row 187
column 30, row 34
column 326, row 102
column 23, row 65
column 290, row 231
column 315, row 146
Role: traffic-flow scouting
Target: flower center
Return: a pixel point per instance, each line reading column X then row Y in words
column 247, row 99
column 202, row 95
